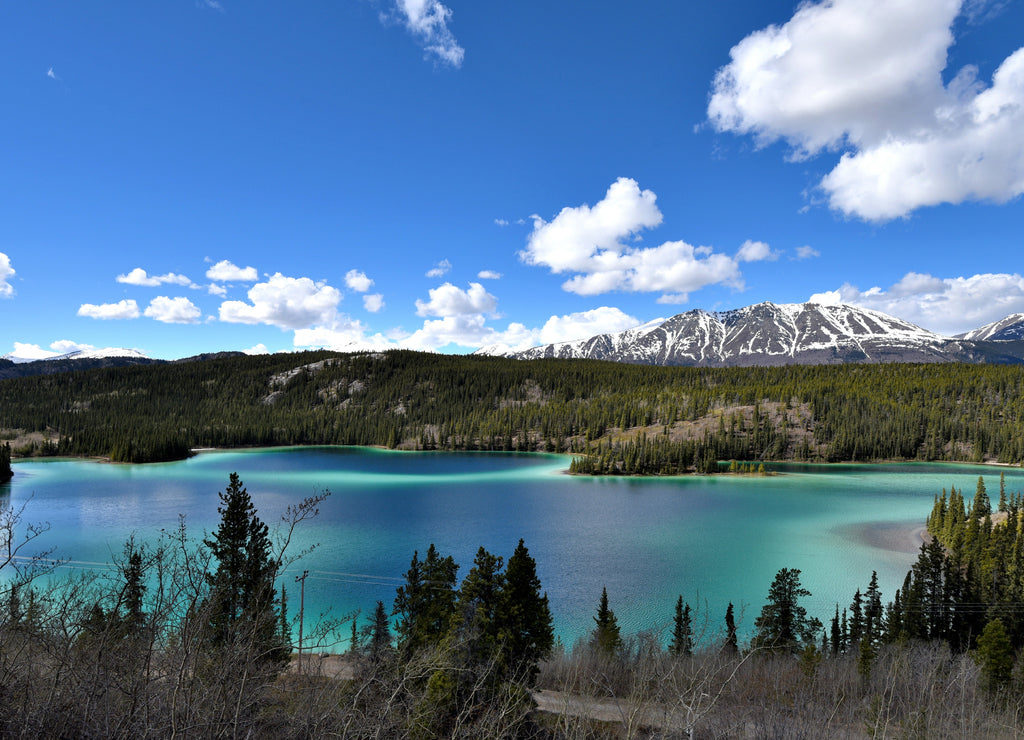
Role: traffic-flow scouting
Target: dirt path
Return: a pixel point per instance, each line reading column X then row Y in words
column 549, row 702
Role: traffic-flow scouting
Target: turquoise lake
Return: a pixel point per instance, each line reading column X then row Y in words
column 712, row 539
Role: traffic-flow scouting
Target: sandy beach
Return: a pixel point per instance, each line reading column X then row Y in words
column 890, row 536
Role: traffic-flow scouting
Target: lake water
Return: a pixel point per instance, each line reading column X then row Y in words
column 711, row 539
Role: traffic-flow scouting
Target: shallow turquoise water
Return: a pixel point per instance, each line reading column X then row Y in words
column 713, row 540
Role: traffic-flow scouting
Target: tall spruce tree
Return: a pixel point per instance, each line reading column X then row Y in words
column 526, row 626
column 380, row 633
column 682, row 630
column 425, row 605
column 731, row 644
column 605, row 636
column 243, row 608
column 783, row 624
column 477, row 615
column 6, row 473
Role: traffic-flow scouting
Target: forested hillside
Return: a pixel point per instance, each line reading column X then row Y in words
column 616, row 418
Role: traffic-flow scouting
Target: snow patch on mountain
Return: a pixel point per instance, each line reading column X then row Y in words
column 1004, row 330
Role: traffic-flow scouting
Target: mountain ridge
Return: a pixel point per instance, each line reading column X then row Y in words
column 794, row 333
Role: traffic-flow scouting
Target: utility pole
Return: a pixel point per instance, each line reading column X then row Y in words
column 302, row 609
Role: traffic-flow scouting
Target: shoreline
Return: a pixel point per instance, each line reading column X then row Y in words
column 903, row 537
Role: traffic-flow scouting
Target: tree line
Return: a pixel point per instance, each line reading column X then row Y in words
column 614, row 418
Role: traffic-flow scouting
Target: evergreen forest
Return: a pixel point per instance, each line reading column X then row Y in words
column 613, row 418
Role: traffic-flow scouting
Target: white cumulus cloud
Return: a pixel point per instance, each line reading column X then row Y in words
column 225, row 272
column 64, row 346
column 138, row 276
column 471, row 330
column 373, row 302
column 806, row 252
column 344, row 335
column 867, row 76
column 6, row 273
column 589, row 241
column 173, row 310
column 428, row 21
column 25, row 351
column 356, row 280
column 489, row 275
column 285, row 302
column 585, row 324
column 945, row 305
column 448, row 300
column 125, row 309
column 751, row 251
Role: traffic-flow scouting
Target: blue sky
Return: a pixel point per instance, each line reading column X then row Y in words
column 196, row 175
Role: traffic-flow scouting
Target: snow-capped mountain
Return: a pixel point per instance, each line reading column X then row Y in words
column 1004, row 330
column 30, row 362
column 773, row 334
column 33, row 355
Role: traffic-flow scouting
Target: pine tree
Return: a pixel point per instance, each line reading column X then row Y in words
column 6, row 473
column 873, row 611
column 731, row 645
column 783, row 624
column 526, row 625
column 981, row 505
column 682, row 630
column 995, row 654
column 834, row 634
column 380, row 633
column 605, row 636
column 426, row 603
column 477, row 612
column 134, row 590
column 243, row 609
column 856, row 623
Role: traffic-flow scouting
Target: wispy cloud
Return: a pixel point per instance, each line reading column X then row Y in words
column 428, row 20
column 138, row 276
column 441, row 268
column 489, row 275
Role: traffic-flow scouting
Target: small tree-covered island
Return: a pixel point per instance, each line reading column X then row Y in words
column 201, row 638
column 612, row 418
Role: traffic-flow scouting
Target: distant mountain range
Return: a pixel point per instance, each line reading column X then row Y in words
column 786, row 334
column 762, row 334
column 15, row 366
column 91, row 354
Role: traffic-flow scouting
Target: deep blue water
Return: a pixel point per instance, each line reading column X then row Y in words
column 711, row 539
